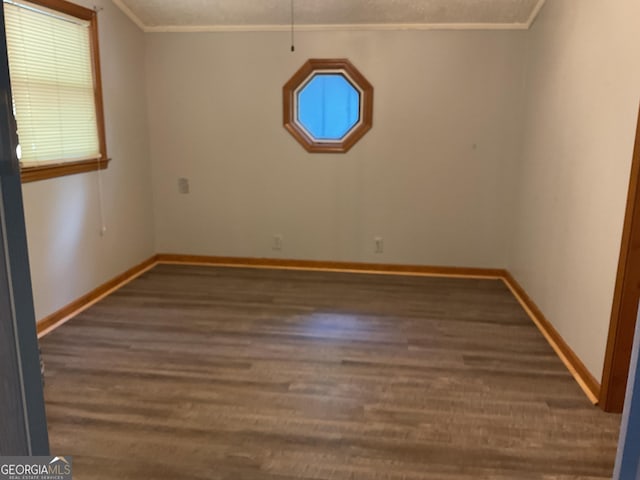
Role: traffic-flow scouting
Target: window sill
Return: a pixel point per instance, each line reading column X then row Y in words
column 44, row 172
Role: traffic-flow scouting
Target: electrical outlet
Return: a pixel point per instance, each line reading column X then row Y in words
column 277, row 242
column 183, row 185
column 378, row 245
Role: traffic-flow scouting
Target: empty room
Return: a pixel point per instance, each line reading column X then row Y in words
column 304, row 239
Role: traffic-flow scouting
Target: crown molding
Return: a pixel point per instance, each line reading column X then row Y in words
column 129, row 13
column 535, row 12
column 327, row 27
column 335, row 27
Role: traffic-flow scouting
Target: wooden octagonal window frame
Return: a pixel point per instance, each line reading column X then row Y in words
column 297, row 83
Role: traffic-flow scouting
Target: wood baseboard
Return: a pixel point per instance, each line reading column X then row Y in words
column 388, row 269
column 69, row 311
column 587, row 382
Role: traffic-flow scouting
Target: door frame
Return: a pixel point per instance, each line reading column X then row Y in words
column 22, row 414
column 625, row 300
column 628, row 457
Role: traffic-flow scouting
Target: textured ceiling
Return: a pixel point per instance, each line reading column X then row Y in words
column 273, row 14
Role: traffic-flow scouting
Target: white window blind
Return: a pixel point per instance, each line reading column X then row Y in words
column 51, row 73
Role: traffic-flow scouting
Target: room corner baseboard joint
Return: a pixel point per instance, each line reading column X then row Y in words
column 576, row 367
column 66, row 313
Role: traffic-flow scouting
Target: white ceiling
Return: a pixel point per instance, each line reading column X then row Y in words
column 245, row 15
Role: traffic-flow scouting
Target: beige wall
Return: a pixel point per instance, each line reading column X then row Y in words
column 68, row 256
column 466, row 164
column 416, row 179
column 583, row 85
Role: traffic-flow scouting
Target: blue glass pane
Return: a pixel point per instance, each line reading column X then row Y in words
column 328, row 106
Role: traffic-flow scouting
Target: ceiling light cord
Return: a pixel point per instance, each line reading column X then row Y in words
column 293, row 47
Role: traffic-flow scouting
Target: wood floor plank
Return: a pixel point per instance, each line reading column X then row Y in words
column 230, row 373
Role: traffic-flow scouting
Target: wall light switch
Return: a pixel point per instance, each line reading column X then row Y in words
column 183, row 185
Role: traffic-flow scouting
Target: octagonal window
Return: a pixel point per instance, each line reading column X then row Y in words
column 328, row 105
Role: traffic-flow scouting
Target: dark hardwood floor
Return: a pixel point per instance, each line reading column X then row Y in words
column 241, row 374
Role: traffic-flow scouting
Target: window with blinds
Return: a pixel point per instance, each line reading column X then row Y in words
column 52, row 74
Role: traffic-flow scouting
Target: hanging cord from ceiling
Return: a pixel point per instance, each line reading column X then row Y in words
column 293, row 47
